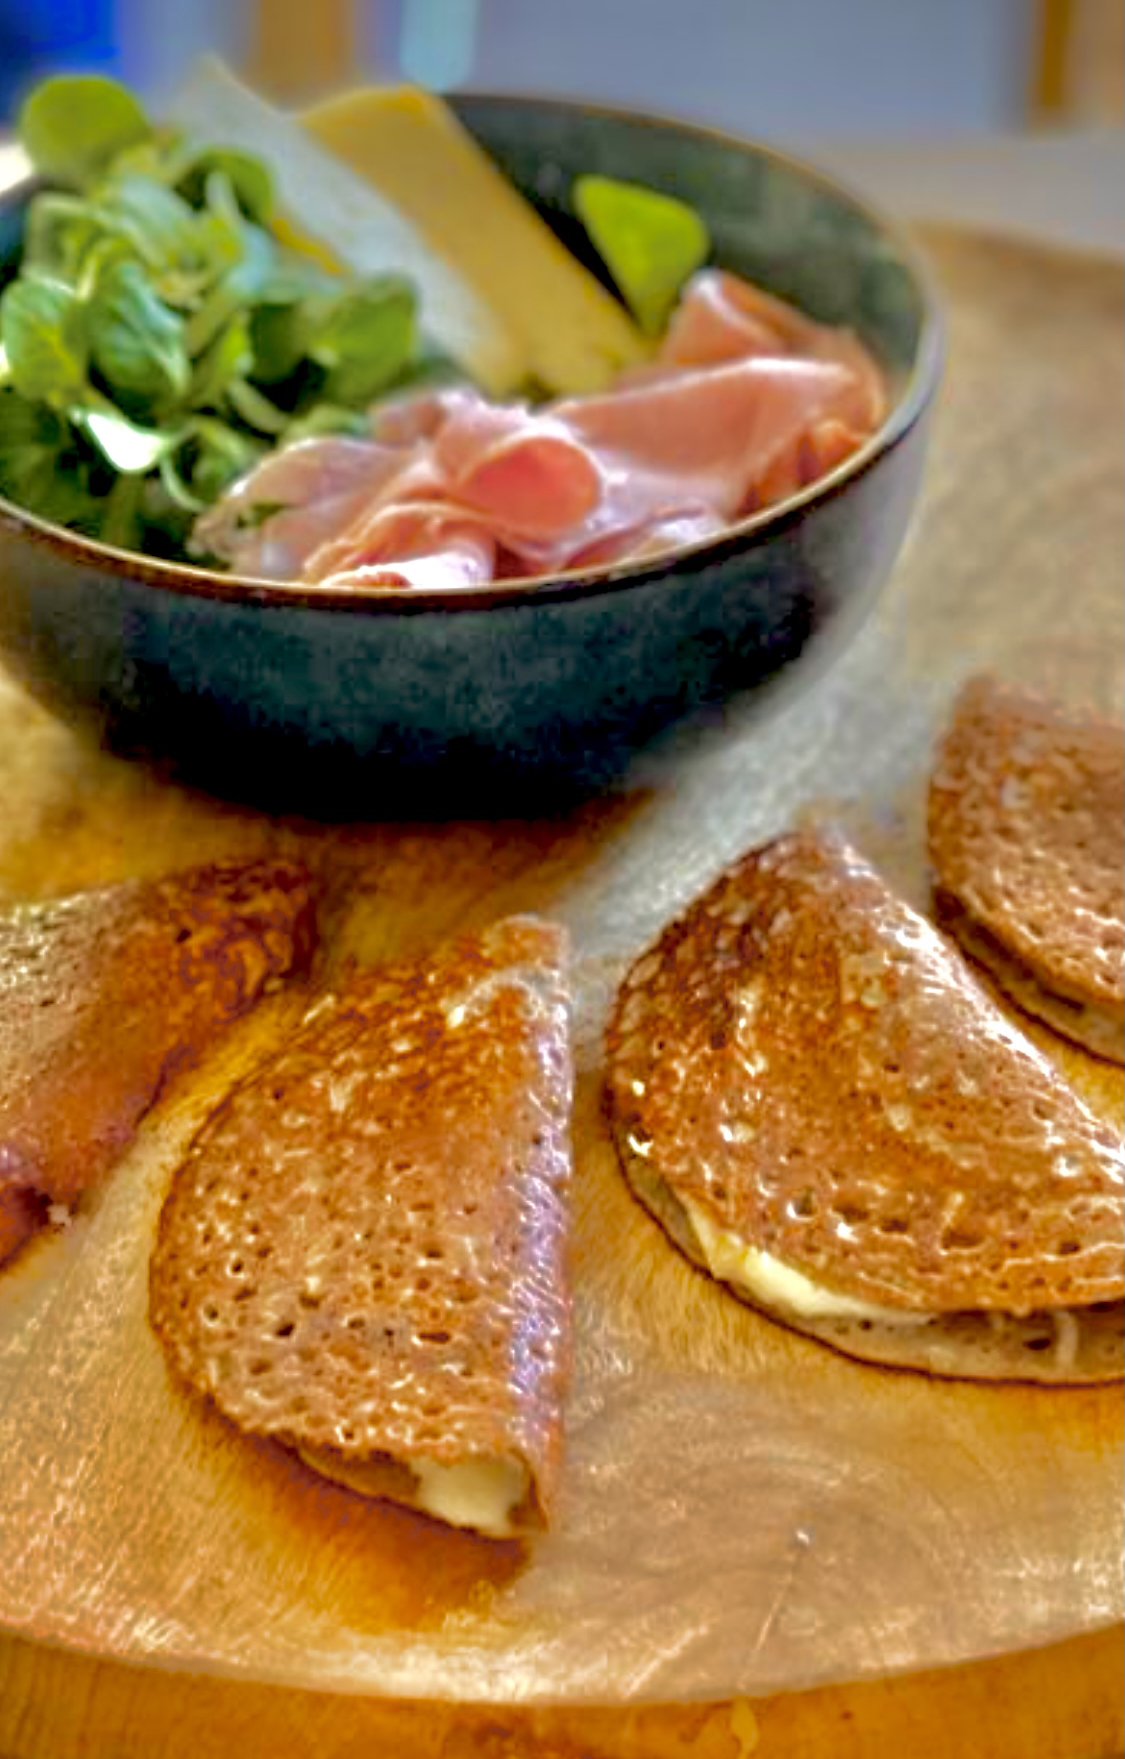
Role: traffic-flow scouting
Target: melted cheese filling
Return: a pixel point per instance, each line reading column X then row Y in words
column 482, row 1494
column 479, row 1493
column 1067, row 1339
column 778, row 1285
column 784, row 1290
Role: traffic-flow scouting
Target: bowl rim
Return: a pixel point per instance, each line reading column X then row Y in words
column 185, row 579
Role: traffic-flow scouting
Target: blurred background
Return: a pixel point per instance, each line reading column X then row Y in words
column 787, row 70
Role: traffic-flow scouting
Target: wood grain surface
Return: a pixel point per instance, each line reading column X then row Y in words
column 1059, row 1703
column 787, row 1541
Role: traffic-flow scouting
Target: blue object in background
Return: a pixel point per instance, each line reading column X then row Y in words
column 150, row 44
column 37, row 36
column 437, row 42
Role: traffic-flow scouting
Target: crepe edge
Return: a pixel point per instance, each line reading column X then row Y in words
column 957, row 1346
column 1077, row 1019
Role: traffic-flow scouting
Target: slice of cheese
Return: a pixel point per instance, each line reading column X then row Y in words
column 409, row 146
column 349, row 224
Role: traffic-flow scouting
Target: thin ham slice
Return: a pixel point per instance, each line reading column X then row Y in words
column 408, row 545
column 318, row 487
column 408, row 420
column 723, row 318
column 527, row 472
column 746, row 403
column 713, row 323
column 651, row 537
column 705, row 437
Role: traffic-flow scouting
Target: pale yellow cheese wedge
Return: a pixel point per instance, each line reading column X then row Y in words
column 409, row 146
column 349, row 224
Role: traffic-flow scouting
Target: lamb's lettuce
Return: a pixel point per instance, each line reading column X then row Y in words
column 651, row 243
column 158, row 337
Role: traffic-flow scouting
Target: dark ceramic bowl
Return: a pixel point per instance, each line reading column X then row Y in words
column 362, row 704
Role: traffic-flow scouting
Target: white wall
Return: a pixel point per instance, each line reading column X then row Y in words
column 795, row 69
column 157, row 40
column 798, row 70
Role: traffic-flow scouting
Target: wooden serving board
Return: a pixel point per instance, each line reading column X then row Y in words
column 761, row 1547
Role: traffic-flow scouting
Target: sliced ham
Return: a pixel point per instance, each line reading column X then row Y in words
column 713, row 324
column 746, row 403
column 651, row 537
column 706, row 437
column 408, row 544
column 723, row 318
column 528, row 472
column 413, row 418
column 317, row 486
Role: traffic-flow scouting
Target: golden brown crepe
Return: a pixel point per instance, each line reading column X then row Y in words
column 822, row 1106
column 364, row 1254
column 107, row 996
column 1027, row 842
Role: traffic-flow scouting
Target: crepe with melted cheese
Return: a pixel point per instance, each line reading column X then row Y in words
column 364, row 1255
column 817, row 1099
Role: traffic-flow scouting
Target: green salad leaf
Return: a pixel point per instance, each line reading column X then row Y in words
column 72, row 126
column 136, row 341
column 40, row 467
column 365, row 338
column 59, row 230
column 255, row 408
column 247, row 177
column 229, row 355
column 209, row 455
column 280, row 332
column 128, row 448
column 43, row 333
column 327, row 418
column 650, row 243
column 121, row 513
column 160, row 226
